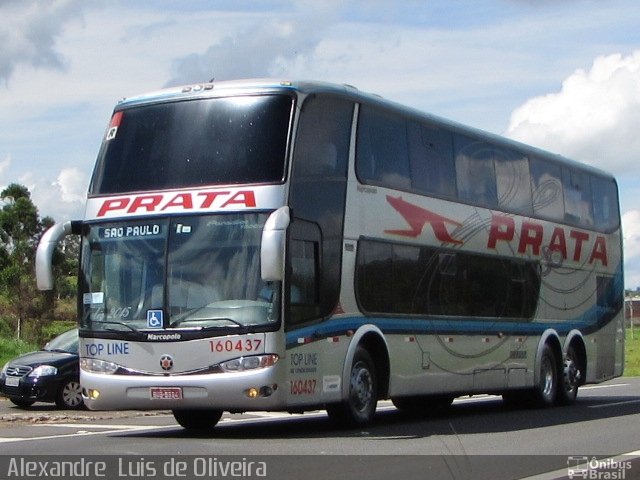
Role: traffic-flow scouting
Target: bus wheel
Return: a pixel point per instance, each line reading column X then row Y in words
column 572, row 376
column 197, row 420
column 546, row 390
column 360, row 406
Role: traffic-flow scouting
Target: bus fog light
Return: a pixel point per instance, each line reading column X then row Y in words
column 92, row 393
column 252, row 392
column 266, row 391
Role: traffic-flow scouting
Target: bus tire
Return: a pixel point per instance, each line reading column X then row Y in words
column 360, row 406
column 572, row 373
column 544, row 393
column 197, row 420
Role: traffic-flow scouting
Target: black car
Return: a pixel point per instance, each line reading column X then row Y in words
column 50, row 375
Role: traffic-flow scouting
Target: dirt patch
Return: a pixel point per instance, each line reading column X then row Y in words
column 45, row 413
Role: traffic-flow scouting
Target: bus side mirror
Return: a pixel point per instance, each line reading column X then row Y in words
column 46, row 247
column 274, row 235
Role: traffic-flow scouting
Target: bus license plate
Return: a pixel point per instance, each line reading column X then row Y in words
column 166, row 393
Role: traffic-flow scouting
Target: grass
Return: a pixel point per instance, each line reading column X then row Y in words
column 10, row 348
column 632, row 353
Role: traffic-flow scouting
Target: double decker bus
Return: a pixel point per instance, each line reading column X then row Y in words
column 291, row 246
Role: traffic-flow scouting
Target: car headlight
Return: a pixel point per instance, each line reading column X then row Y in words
column 94, row 365
column 4, row 369
column 249, row 363
column 43, row 371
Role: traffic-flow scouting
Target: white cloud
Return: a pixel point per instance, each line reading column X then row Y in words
column 259, row 46
column 62, row 199
column 4, row 165
column 28, row 34
column 73, row 185
column 595, row 117
column 631, row 231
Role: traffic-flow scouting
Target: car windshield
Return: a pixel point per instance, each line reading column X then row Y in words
column 193, row 272
column 65, row 342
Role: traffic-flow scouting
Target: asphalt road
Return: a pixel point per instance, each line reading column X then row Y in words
column 478, row 437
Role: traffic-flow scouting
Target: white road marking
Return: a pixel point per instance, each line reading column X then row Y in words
column 595, row 387
column 613, row 404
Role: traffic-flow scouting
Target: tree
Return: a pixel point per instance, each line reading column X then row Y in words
column 20, row 230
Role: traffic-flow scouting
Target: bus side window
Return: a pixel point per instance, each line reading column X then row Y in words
column 605, row 203
column 382, row 155
column 304, row 281
column 546, row 186
column 577, row 197
column 431, row 158
column 475, row 171
column 513, row 181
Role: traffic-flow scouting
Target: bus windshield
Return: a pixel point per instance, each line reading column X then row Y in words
column 212, row 141
column 197, row 272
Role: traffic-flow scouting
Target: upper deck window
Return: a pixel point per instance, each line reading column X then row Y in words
column 216, row 141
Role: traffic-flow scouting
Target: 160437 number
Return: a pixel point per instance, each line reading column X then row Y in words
column 241, row 345
column 303, row 386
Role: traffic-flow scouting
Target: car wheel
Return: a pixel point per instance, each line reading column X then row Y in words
column 22, row 403
column 70, row 394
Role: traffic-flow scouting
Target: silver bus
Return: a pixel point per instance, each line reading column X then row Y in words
column 292, row 246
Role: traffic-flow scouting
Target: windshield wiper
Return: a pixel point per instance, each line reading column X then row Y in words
column 115, row 322
column 213, row 319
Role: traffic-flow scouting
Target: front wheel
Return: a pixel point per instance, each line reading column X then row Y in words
column 70, row 395
column 18, row 402
column 197, row 420
column 360, row 406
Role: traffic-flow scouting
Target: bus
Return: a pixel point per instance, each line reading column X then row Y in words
column 293, row 246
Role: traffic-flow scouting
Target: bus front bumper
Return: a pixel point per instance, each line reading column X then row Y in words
column 236, row 391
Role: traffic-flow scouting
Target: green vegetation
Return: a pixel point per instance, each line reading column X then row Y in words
column 26, row 314
column 632, row 353
column 11, row 347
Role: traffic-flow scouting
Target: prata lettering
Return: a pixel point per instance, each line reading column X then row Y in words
column 568, row 243
column 155, row 203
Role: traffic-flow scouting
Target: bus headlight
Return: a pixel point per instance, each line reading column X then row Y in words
column 249, row 363
column 94, row 365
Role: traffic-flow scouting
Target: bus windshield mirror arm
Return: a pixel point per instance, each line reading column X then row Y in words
column 46, row 247
column 273, row 244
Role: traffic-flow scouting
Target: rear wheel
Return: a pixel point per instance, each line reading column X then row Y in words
column 544, row 394
column 197, row 420
column 572, row 377
column 360, row 406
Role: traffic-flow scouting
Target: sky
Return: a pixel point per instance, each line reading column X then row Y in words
column 563, row 75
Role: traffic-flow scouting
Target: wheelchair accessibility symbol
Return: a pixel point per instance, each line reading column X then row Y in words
column 155, row 318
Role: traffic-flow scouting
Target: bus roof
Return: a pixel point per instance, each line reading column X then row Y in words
column 269, row 85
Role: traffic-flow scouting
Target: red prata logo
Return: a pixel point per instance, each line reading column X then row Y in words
column 418, row 217
column 570, row 244
column 183, row 201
